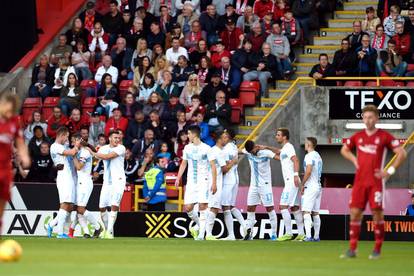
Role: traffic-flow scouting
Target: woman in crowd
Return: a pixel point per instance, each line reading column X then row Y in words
column 140, row 52
column 182, row 141
column 144, row 67
column 80, row 60
column 154, row 103
column 181, row 72
column 135, row 33
column 157, row 51
column 175, row 32
column 38, row 138
column 70, row 95
column 146, row 88
column 76, row 33
column 42, row 79
column 191, row 88
column 200, row 51
column 61, row 76
column 371, row 21
column 107, row 89
column 129, row 106
column 36, row 121
column 205, row 70
column 161, row 65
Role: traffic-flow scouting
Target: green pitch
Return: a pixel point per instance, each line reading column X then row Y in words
column 138, row 256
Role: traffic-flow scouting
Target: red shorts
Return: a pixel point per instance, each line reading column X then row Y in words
column 363, row 193
column 5, row 186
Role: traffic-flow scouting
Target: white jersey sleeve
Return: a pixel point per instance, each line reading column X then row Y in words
column 266, row 153
column 290, row 151
column 84, row 155
column 185, row 152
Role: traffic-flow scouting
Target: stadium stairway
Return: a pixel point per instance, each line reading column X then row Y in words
column 328, row 41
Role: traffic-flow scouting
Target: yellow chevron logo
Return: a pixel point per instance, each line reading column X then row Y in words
column 157, row 226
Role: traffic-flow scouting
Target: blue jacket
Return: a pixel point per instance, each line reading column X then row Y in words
column 154, row 186
column 410, row 210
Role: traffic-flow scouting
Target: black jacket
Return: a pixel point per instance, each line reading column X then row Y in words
column 134, row 108
column 208, row 94
column 223, row 114
column 355, row 40
column 134, row 131
column 169, row 114
column 112, row 25
column 345, row 62
column 50, row 74
column 270, row 63
column 41, row 169
column 240, row 59
column 209, row 24
column 328, row 72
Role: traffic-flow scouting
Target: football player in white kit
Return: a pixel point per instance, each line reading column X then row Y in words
column 59, row 152
column 260, row 190
column 231, row 186
column 201, row 179
column 290, row 194
column 114, row 182
column 312, row 189
column 83, row 164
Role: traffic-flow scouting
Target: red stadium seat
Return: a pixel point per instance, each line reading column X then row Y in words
column 410, row 67
column 371, row 83
column 89, row 105
column 410, row 84
column 86, row 85
column 391, row 83
column 170, row 181
column 247, row 98
column 123, row 87
column 29, row 106
column 250, row 86
column 48, row 105
column 354, row 83
column 236, row 110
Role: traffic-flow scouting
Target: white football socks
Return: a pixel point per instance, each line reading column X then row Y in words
column 238, row 215
column 91, row 218
column 287, row 220
column 193, row 215
column 299, row 221
column 251, row 219
column 73, row 219
column 104, row 217
column 273, row 221
column 308, row 225
column 228, row 220
column 211, row 216
column 83, row 223
column 53, row 222
column 111, row 221
column 61, row 219
column 203, row 221
column 316, row 226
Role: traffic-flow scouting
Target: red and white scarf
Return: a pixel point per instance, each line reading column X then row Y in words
column 292, row 24
column 378, row 44
column 240, row 7
column 89, row 21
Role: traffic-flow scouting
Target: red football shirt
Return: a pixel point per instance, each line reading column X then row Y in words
column 9, row 131
column 371, row 154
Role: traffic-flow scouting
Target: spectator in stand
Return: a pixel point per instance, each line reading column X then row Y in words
column 159, row 127
column 70, row 95
column 61, row 51
column 61, row 76
column 36, row 121
column 41, row 169
column 367, row 57
column 219, row 53
column 147, row 18
column 98, row 42
column 38, row 138
column 96, row 128
column 280, row 48
column 264, row 68
column 135, row 130
column 379, row 39
column 144, row 67
column 157, row 51
column 389, row 21
column 221, row 6
column 116, row 122
column 129, row 106
column 155, row 102
column 76, row 121
column 230, row 76
column 410, row 208
column 161, row 65
column 149, row 141
column 356, row 36
column 107, row 89
column 147, row 163
column 200, row 51
column 279, row 10
column 303, row 10
column 105, row 106
column 231, row 36
column 209, row 21
column 175, row 32
column 345, row 60
column 371, row 21
column 205, row 70
column 403, row 42
column 266, row 24
column 230, row 13
column 107, row 68
column 131, row 167
column 43, row 76
column 167, row 87
column 121, row 58
column 195, row 107
column 165, row 19
column 390, row 62
column 208, row 94
column 322, row 70
column 56, row 121
column 76, row 33
column 191, row 88
column 218, row 114
column 84, row 134
column 89, row 16
column 192, row 39
column 179, row 145
column 181, row 72
column 240, row 59
column 146, row 88
column 292, row 30
column 112, row 22
column 80, row 60
column 204, row 127
column 245, row 22
column 155, row 35
column 127, row 22
column 257, row 37
column 135, row 33
column 409, row 21
column 179, row 124
column 175, row 51
column 263, row 7
column 187, row 17
column 182, row 4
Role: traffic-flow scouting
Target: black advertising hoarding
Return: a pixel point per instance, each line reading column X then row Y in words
column 394, row 104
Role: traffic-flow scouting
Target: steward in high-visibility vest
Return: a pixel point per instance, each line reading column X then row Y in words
column 155, row 188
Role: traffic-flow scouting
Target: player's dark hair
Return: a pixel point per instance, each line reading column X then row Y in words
column 228, row 132
column 285, row 132
column 62, row 131
column 37, row 128
column 313, row 141
column 195, row 130
column 101, row 136
column 370, row 108
column 249, row 145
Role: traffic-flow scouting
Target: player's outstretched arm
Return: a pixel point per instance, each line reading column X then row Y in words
column 347, row 154
column 104, row 156
column 70, row 152
column 181, row 170
column 274, row 149
column 23, row 153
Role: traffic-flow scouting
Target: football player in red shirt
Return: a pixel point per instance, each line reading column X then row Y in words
column 371, row 145
column 10, row 135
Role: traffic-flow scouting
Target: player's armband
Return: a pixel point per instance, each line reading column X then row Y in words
column 60, row 167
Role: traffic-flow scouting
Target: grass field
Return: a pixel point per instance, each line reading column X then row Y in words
column 139, row 256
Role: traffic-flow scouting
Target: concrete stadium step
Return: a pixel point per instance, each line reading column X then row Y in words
column 283, row 84
column 342, row 32
column 252, row 120
column 240, row 138
column 244, row 130
column 358, row 6
column 275, row 93
column 257, row 111
column 303, row 66
column 268, row 102
column 327, row 40
column 311, row 58
column 319, row 49
column 360, row 14
column 340, row 23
